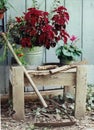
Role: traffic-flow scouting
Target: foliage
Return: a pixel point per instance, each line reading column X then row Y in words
column 2, row 58
column 31, row 127
column 4, row 4
column 69, row 51
column 90, row 97
column 35, row 28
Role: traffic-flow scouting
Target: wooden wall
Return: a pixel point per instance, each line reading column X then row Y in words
column 81, row 24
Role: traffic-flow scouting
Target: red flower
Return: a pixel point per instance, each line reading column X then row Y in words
column 33, row 32
column 26, row 42
column 47, row 28
column 36, row 29
column 18, row 19
column 60, row 8
column 65, row 36
column 66, row 16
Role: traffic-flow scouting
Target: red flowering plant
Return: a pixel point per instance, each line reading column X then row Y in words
column 35, row 28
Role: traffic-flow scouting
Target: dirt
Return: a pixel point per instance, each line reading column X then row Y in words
column 9, row 123
column 34, row 113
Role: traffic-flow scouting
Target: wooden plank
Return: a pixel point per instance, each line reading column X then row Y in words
column 80, row 92
column 18, row 92
column 10, row 76
column 67, row 67
column 46, row 67
column 57, row 79
column 54, row 124
column 69, row 90
column 38, row 72
column 32, row 95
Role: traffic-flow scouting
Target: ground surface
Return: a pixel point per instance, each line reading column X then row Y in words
column 9, row 124
column 34, row 113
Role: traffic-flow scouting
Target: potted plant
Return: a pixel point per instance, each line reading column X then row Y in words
column 4, row 5
column 68, row 53
column 36, row 29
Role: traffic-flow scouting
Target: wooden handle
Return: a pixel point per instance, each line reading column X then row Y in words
column 25, row 71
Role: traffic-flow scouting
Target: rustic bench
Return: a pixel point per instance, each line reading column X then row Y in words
column 71, row 77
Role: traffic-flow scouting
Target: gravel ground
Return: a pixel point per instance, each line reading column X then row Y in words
column 8, row 123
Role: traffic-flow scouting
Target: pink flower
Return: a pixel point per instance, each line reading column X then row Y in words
column 73, row 38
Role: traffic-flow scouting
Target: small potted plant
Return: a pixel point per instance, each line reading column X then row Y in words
column 4, row 5
column 68, row 53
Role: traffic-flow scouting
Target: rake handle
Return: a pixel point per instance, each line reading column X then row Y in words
column 25, row 71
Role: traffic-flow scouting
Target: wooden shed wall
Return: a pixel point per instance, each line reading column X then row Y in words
column 81, row 24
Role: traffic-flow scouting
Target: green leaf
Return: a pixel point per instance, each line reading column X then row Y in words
column 58, row 52
column 66, row 52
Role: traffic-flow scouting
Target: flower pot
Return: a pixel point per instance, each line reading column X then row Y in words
column 65, row 61
column 2, row 13
column 33, row 57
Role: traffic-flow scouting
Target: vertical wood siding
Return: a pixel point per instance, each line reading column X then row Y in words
column 88, row 30
column 81, row 24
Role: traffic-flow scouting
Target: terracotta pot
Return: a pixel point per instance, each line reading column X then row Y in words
column 2, row 13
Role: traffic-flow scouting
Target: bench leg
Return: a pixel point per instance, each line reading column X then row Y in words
column 18, row 92
column 80, row 94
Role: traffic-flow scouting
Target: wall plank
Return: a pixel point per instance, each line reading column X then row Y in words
column 19, row 8
column 75, row 12
column 41, row 4
column 88, row 30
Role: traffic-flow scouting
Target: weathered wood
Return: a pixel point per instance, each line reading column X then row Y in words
column 31, row 96
column 25, row 71
column 46, row 72
column 46, row 67
column 54, row 124
column 83, row 62
column 67, row 78
column 57, row 79
column 80, row 92
column 38, row 72
column 18, row 92
column 67, row 67
column 62, row 68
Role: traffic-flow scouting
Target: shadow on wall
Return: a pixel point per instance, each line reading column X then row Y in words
column 4, row 79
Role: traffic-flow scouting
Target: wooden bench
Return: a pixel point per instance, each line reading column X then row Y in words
column 77, row 77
